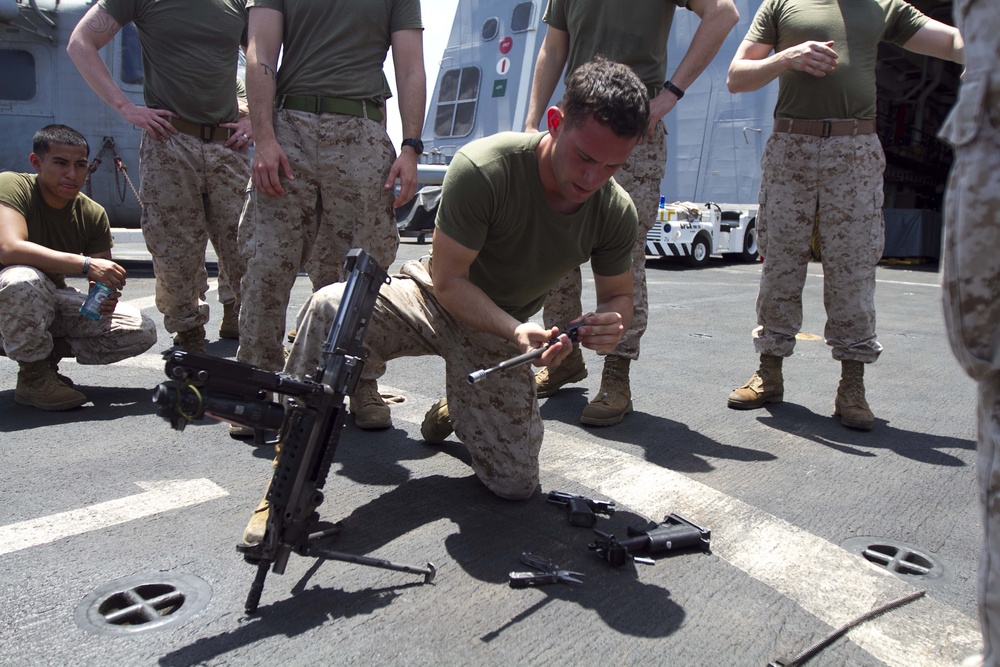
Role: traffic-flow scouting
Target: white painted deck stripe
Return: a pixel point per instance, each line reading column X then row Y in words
column 823, row 578
column 158, row 497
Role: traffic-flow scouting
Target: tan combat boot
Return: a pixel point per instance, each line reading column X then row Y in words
column 60, row 350
column 572, row 369
column 192, row 340
column 437, row 424
column 766, row 385
column 851, row 404
column 369, row 408
column 38, row 386
column 230, row 327
column 615, row 398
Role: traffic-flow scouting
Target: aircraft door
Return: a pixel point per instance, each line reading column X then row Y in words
column 26, row 98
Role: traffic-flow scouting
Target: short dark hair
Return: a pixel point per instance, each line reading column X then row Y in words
column 57, row 134
column 611, row 93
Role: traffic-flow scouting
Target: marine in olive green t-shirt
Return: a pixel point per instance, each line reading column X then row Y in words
column 625, row 34
column 337, row 48
column 492, row 202
column 855, row 28
column 81, row 227
column 189, row 54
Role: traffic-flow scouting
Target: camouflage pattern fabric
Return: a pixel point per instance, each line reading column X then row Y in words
column 640, row 177
column 335, row 203
column 192, row 193
column 33, row 311
column 838, row 179
column 972, row 274
column 497, row 419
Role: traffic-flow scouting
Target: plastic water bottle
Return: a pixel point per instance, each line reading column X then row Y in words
column 91, row 308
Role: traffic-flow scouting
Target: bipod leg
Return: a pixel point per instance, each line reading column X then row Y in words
column 257, row 587
column 315, row 552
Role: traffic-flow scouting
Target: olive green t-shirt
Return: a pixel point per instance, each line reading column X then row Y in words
column 189, row 53
column 81, row 227
column 337, row 48
column 492, row 202
column 633, row 33
column 856, row 27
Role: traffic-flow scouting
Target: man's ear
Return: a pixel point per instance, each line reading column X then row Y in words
column 553, row 119
column 36, row 162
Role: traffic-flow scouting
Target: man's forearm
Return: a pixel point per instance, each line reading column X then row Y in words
column 472, row 307
column 621, row 305
column 749, row 75
column 548, row 69
column 261, row 72
column 44, row 259
column 716, row 23
column 411, row 79
column 261, row 87
column 412, row 100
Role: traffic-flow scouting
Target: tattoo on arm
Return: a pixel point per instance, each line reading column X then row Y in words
column 268, row 70
column 102, row 23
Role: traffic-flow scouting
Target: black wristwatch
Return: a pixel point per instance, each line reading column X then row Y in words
column 415, row 144
column 667, row 85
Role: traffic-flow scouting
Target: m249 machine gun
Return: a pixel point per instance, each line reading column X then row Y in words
column 310, row 424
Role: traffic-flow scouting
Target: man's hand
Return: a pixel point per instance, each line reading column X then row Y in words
column 242, row 137
column 107, row 307
column 107, row 272
column 405, row 169
column 152, row 121
column 816, row 58
column 268, row 159
column 659, row 107
column 600, row 332
column 531, row 336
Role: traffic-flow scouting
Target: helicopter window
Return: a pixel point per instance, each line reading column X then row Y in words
column 131, row 56
column 520, row 20
column 491, row 27
column 458, row 96
column 18, row 82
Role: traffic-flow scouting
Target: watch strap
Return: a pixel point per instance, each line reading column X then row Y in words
column 416, row 144
column 668, row 85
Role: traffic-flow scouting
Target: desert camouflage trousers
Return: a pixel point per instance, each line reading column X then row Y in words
column 191, row 192
column 33, row 311
column 971, row 274
column 497, row 419
column 640, row 177
column 832, row 185
column 335, row 203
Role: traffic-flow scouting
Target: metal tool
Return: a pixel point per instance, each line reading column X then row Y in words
column 476, row 376
column 549, row 573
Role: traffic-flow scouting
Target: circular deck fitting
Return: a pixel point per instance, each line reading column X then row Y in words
column 903, row 560
column 142, row 603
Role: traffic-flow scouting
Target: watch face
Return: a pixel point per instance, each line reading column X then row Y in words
column 416, row 144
